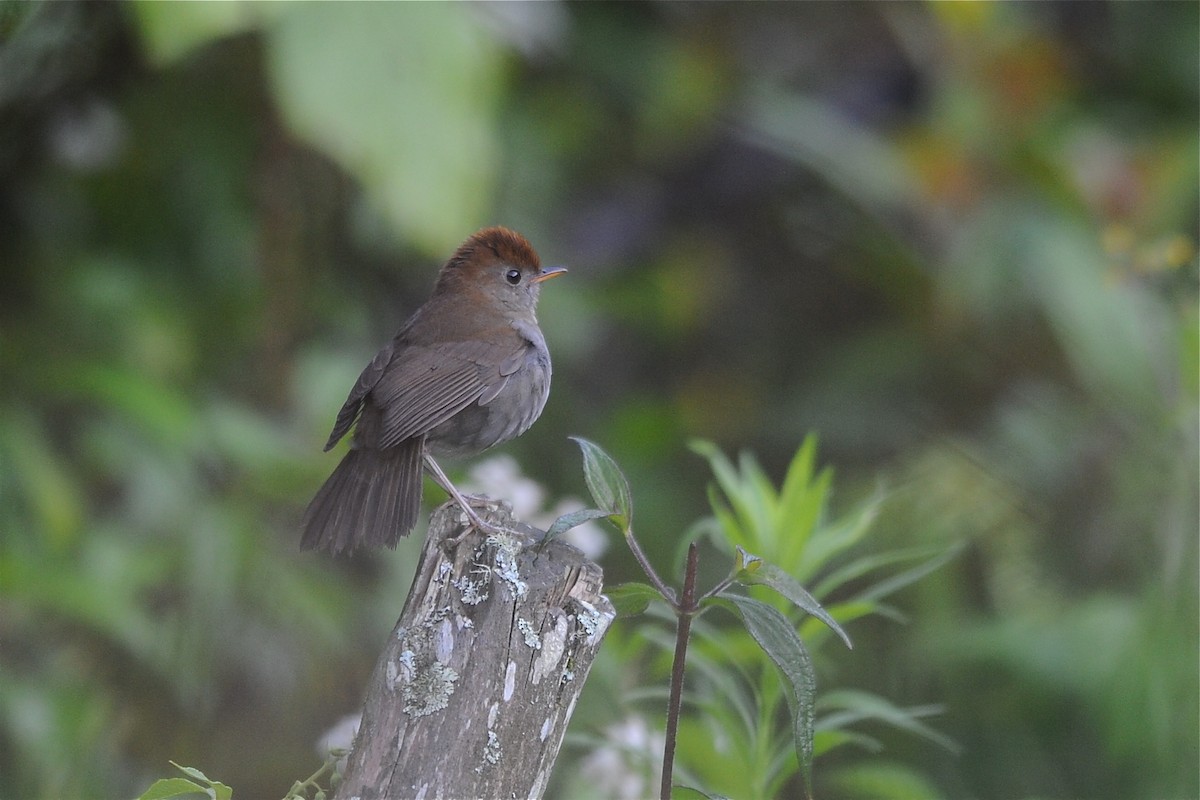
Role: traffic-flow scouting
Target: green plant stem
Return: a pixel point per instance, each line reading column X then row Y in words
column 667, row 592
column 686, row 609
column 716, row 590
column 300, row 788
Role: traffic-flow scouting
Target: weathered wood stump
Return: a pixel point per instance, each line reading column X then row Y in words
column 474, row 689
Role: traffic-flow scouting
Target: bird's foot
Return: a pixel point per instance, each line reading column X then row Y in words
column 473, row 521
column 478, row 500
column 468, row 503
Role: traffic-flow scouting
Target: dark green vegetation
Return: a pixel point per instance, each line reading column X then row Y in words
column 955, row 241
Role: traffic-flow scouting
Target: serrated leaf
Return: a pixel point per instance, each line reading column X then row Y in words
column 779, row 640
column 165, row 788
column 573, row 520
column 756, row 572
column 608, row 485
column 631, row 599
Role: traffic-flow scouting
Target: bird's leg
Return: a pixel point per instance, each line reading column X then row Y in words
column 474, row 519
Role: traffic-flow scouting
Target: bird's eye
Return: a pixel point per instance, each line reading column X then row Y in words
column 513, row 276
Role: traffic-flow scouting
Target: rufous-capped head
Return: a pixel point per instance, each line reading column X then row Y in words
column 502, row 243
column 501, row 263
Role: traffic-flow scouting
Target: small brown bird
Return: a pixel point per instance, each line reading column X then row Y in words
column 468, row 370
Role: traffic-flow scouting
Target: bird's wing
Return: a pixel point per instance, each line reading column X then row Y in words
column 353, row 406
column 427, row 385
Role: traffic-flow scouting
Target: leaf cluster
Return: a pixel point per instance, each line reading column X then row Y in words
column 789, row 524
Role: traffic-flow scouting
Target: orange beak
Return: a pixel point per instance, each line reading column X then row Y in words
column 549, row 272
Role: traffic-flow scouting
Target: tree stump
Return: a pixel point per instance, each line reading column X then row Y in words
column 473, row 692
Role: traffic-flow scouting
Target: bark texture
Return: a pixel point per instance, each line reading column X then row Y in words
column 474, row 689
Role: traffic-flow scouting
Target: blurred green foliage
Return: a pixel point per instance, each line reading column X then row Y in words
column 737, row 744
column 958, row 240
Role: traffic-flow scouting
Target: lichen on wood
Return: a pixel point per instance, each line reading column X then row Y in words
column 472, row 694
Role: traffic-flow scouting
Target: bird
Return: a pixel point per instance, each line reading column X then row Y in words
column 468, row 370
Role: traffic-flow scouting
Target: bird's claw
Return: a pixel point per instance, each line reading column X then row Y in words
column 473, row 522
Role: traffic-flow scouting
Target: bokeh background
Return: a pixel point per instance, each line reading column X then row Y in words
column 956, row 241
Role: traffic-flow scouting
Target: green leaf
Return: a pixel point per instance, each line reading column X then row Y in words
column 727, row 520
column 44, row 476
column 607, row 484
column 760, row 497
column 801, row 503
column 682, row 792
column 727, row 691
column 752, row 509
column 191, row 772
column 165, row 788
column 172, row 30
column 631, row 599
column 704, row 529
column 800, row 470
column 869, row 563
column 753, row 571
column 405, row 97
column 856, row 706
column 882, row 781
column 215, row 789
column 573, row 520
column 897, row 582
column 779, row 640
column 825, row 741
column 831, row 540
column 160, row 410
column 813, row 630
column 814, row 133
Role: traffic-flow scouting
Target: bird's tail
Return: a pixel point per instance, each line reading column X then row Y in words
column 371, row 500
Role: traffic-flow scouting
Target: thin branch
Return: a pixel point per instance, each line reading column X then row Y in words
column 300, row 788
column 687, row 607
column 667, row 592
column 720, row 587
